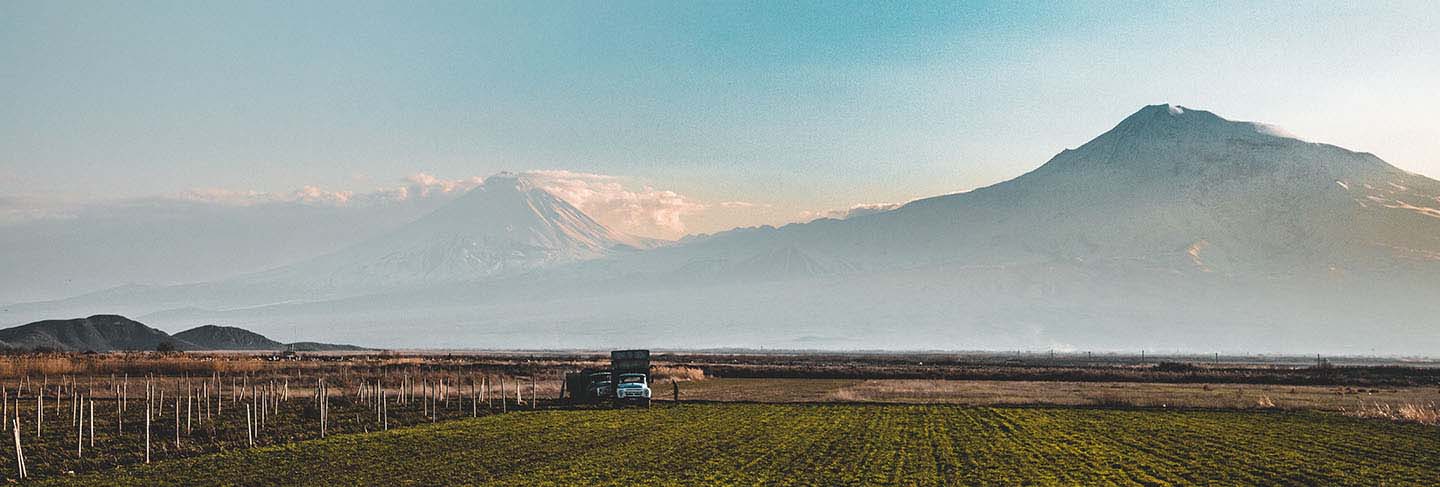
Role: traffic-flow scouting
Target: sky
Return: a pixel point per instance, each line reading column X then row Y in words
column 665, row 118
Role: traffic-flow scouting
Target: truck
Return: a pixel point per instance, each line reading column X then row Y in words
column 631, row 372
column 589, row 385
column 627, row 381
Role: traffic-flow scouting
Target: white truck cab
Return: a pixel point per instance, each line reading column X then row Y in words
column 633, row 387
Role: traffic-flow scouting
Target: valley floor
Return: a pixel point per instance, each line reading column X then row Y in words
column 834, row 444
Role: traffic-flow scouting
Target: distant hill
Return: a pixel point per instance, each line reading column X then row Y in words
column 114, row 333
column 214, row 337
column 99, row 333
column 321, row 347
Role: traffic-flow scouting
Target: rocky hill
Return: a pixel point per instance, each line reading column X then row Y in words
column 99, row 333
column 114, row 333
column 214, row 337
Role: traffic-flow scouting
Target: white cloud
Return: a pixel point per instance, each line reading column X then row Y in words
column 20, row 208
column 741, row 204
column 227, row 196
column 645, row 211
column 870, row 209
column 859, row 209
column 418, row 186
column 425, row 185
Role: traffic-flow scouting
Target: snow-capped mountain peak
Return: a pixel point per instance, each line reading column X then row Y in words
column 1174, row 119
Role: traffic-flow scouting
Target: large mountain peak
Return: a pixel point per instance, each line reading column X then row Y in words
column 1175, row 145
column 1168, row 177
column 1175, row 121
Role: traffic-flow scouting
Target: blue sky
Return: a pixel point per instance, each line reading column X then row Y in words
column 782, row 109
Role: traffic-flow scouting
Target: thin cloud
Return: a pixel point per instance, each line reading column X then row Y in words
column 414, row 187
column 612, row 200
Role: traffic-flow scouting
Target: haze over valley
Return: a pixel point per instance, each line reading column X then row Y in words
column 1175, row 230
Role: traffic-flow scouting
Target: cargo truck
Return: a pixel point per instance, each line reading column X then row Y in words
column 627, row 381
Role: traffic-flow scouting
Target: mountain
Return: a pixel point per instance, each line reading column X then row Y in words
column 1169, row 187
column 213, row 337
column 99, row 333
column 1174, row 230
column 1187, row 189
column 506, row 226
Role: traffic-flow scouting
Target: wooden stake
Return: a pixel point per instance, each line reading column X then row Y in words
column 19, row 453
column 80, row 437
column 249, row 429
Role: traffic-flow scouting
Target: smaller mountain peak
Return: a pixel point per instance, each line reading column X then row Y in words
column 1176, row 117
column 107, row 318
column 1169, row 110
column 502, row 177
column 1165, row 108
column 1169, row 116
column 509, row 180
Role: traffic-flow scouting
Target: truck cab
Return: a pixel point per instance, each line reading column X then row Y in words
column 633, row 388
column 600, row 385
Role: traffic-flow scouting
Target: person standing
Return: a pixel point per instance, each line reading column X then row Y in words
column 675, row 390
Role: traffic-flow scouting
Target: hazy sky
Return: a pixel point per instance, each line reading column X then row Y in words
column 728, row 113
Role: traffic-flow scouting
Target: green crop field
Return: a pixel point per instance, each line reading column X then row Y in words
column 824, row 445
